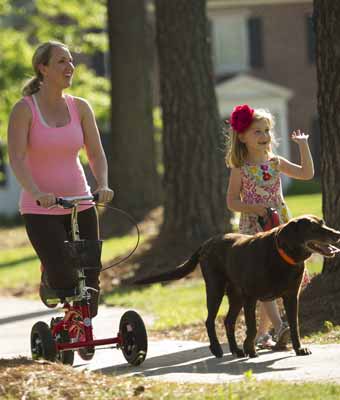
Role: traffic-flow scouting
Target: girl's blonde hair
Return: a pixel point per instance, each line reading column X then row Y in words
column 42, row 55
column 236, row 150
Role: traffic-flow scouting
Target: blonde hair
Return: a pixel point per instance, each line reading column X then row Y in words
column 42, row 55
column 236, row 150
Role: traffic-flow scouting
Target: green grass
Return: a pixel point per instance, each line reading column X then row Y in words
column 20, row 267
column 305, row 204
column 169, row 303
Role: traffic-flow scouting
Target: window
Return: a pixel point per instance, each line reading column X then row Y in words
column 237, row 42
column 230, row 43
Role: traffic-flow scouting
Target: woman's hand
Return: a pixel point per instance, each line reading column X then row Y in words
column 299, row 137
column 105, row 194
column 45, row 200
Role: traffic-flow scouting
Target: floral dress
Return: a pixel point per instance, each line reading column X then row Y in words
column 261, row 184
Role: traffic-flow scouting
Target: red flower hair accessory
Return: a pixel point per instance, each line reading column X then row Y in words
column 241, row 118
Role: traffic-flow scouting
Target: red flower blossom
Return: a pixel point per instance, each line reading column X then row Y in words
column 241, row 118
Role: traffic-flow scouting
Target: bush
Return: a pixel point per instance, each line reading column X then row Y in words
column 304, row 187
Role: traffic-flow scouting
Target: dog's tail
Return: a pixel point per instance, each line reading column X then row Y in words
column 178, row 273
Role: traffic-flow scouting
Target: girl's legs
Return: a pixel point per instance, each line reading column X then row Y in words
column 269, row 312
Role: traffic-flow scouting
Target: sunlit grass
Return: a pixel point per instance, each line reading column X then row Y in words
column 305, row 204
column 175, row 304
column 20, row 267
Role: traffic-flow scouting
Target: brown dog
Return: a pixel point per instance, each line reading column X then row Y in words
column 248, row 268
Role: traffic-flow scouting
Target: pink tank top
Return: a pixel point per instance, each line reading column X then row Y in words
column 52, row 159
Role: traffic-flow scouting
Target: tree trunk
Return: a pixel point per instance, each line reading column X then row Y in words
column 193, row 145
column 320, row 301
column 327, row 14
column 132, row 166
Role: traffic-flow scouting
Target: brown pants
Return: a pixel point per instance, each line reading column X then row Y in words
column 47, row 234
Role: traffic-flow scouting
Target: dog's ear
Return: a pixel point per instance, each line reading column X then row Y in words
column 289, row 234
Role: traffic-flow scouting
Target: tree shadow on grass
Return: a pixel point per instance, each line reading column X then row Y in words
column 17, row 262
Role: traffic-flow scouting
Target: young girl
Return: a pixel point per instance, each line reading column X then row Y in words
column 255, row 185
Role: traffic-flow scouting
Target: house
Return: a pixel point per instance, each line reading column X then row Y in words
column 262, row 46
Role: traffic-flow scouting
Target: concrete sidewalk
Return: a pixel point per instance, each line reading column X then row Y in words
column 17, row 316
column 168, row 360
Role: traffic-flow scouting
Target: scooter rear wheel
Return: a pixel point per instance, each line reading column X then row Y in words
column 134, row 337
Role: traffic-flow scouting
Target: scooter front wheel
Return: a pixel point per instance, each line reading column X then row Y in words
column 42, row 342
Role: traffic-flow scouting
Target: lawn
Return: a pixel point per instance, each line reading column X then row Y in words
column 19, row 267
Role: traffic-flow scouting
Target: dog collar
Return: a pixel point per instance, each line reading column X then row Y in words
column 288, row 259
column 285, row 256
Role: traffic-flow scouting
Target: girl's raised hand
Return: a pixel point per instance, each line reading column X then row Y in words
column 298, row 136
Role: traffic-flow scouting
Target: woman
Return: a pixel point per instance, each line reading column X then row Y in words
column 47, row 128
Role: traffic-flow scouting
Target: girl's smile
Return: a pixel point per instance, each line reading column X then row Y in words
column 257, row 137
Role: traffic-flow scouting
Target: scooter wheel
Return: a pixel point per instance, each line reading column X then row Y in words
column 42, row 342
column 86, row 353
column 65, row 357
column 134, row 338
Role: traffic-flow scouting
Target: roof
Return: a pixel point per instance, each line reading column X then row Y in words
column 245, row 88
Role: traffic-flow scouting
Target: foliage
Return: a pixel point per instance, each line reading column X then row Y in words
column 78, row 23
column 304, row 187
column 14, row 71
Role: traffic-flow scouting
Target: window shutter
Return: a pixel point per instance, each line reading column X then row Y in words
column 310, row 39
column 255, row 36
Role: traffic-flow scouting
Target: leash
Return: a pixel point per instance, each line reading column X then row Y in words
column 130, row 218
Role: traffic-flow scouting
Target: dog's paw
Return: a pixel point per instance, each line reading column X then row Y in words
column 216, row 351
column 253, row 354
column 239, row 353
column 303, row 351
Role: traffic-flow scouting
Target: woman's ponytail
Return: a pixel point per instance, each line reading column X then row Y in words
column 31, row 87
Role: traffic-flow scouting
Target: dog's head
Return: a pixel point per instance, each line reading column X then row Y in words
column 309, row 234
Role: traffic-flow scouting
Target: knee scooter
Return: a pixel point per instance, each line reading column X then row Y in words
column 74, row 331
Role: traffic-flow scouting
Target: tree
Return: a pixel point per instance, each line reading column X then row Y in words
column 133, row 173
column 195, row 174
column 323, row 294
column 78, row 23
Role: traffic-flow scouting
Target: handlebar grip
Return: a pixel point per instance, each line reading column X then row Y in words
column 95, row 196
